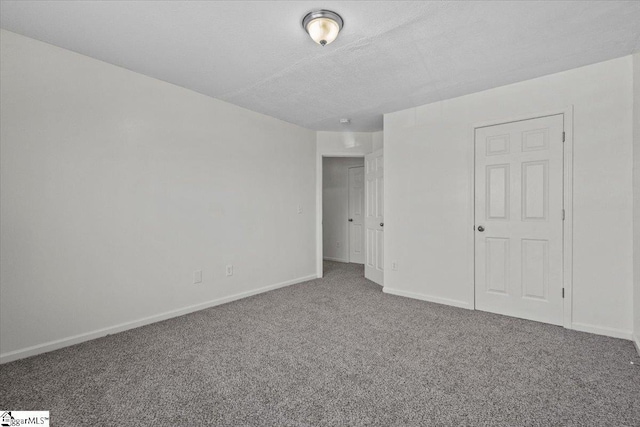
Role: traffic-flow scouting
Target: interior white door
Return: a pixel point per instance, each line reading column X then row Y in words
column 519, row 219
column 356, row 215
column 374, row 217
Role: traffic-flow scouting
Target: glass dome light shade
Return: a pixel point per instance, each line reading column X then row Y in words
column 323, row 30
column 322, row 26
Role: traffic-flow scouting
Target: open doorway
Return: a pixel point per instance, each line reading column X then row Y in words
column 338, row 239
column 343, row 182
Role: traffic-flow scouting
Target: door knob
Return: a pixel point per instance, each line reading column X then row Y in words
column 382, row 224
column 350, row 219
column 480, row 228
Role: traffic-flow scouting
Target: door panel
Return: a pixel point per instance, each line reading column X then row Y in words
column 374, row 217
column 356, row 215
column 534, row 191
column 497, row 265
column 498, row 192
column 535, row 268
column 518, row 204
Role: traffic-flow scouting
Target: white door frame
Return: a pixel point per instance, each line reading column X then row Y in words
column 567, row 243
column 319, row 245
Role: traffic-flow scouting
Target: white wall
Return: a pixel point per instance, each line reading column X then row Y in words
column 115, row 187
column 428, row 190
column 636, row 196
column 333, row 143
column 377, row 140
column 335, row 206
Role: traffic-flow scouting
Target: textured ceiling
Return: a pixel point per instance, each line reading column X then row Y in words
column 389, row 56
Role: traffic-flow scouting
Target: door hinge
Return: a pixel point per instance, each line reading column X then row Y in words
column 562, row 292
column 563, row 136
column 563, row 214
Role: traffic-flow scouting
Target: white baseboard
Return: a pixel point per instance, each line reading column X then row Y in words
column 87, row 336
column 600, row 330
column 423, row 297
column 636, row 341
column 329, row 258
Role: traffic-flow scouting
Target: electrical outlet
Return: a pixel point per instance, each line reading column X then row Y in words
column 394, row 265
column 299, row 209
column 229, row 270
column 197, row 277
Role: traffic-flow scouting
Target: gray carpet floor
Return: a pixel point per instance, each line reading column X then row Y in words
column 333, row 352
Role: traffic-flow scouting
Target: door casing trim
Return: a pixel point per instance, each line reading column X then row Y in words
column 319, row 187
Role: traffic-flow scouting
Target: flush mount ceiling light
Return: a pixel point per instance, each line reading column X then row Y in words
column 322, row 26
